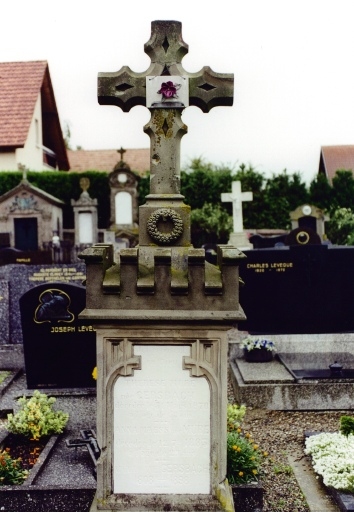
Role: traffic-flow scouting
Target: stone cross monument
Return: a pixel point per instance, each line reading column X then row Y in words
column 161, row 313
column 238, row 237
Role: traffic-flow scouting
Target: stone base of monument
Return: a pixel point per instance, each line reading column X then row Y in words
column 279, row 386
column 240, row 241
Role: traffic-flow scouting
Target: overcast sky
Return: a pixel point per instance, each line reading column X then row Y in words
column 292, row 61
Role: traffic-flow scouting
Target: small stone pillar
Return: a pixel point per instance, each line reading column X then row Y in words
column 85, row 216
column 162, row 313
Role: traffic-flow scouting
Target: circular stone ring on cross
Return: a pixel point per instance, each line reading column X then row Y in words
column 165, row 215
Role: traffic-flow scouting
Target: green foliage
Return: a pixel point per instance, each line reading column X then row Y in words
column 144, row 188
column 282, row 469
column 3, row 375
column 235, row 415
column 211, row 223
column 340, row 229
column 343, row 190
column 11, row 472
column 243, row 458
column 321, row 192
column 273, row 199
column 36, row 417
column 346, row 425
column 204, row 183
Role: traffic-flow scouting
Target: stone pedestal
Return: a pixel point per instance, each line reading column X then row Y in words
column 240, row 241
column 162, row 379
column 161, row 312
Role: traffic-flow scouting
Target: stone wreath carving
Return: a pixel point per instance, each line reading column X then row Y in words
column 165, row 214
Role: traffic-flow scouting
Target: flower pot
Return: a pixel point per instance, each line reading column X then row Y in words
column 248, row 497
column 258, row 355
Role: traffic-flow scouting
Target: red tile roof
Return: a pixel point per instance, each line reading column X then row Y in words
column 20, row 84
column 106, row 159
column 334, row 158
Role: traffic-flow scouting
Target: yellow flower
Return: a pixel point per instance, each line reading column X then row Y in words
column 252, row 458
column 238, row 449
column 255, row 446
column 254, row 471
column 94, row 373
column 235, row 447
column 239, row 430
column 240, row 473
column 265, row 454
column 247, row 435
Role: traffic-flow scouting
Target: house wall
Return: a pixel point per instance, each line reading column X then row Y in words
column 32, row 154
column 8, row 161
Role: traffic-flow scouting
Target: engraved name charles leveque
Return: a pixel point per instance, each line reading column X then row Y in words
column 264, row 267
column 54, row 308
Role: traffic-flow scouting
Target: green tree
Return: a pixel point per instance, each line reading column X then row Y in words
column 210, row 224
column 321, row 192
column 204, row 183
column 340, row 229
column 343, row 190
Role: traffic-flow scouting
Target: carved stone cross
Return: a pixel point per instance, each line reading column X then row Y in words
column 126, row 89
column 166, row 89
column 121, row 151
column 237, row 198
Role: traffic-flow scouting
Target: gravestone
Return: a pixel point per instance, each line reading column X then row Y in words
column 301, row 289
column 59, row 349
column 16, row 280
column 162, row 313
column 238, row 237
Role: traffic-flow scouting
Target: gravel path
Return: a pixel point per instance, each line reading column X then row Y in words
column 280, row 433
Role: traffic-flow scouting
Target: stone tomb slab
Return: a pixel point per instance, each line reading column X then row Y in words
column 304, row 365
column 59, row 349
column 271, row 372
column 162, row 426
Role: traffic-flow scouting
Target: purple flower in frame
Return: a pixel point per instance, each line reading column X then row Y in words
column 168, row 90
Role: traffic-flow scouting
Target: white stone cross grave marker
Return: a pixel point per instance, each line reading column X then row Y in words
column 237, row 197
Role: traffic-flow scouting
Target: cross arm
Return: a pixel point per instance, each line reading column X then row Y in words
column 208, row 89
column 124, row 88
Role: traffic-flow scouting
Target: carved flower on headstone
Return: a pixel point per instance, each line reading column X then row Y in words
column 169, row 90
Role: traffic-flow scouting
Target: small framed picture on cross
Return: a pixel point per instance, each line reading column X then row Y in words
column 167, row 91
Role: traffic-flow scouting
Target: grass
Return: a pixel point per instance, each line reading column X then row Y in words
column 282, row 469
column 3, row 375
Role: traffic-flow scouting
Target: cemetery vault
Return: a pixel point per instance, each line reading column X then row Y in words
column 161, row 313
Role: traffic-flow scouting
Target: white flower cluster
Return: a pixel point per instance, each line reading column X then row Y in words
column 251, row 344
column 333, row 459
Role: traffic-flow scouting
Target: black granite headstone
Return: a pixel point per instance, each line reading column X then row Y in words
column 301, row 289
column 59, row 349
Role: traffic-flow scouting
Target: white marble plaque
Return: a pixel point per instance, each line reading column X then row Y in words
column 161, row 426
column 85, row 228
column 124, row 208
